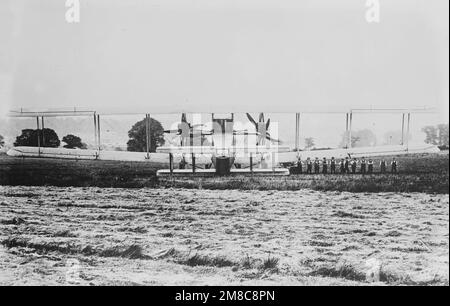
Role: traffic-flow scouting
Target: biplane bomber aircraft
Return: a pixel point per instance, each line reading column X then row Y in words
column 261, row 154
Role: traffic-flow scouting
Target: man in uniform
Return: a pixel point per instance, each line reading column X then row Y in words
column 324, row 166
column 333, row 166
column 308, row 166
column 383, row 166
column 363, row 166
column 299, row 169
column 394, row 165
column 370, row 166
column 353, row 165
column 316, row 166
column 346, row 165
column 342, row 166
column 183, row 163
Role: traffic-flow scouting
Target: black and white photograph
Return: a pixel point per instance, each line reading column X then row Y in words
column 235, row 145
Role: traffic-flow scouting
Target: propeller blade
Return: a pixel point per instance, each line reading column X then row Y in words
column 250, row 118
column 267, row 124
column 171, row 131
column 272, row 139
column 261, row 117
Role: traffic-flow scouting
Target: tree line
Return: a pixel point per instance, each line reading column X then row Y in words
column 437, row 135
column 48, row 138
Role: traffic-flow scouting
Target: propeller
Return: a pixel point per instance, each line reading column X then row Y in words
column 268, row 137
column 250, row 118
column 187, row 131
column 262, row 128
column 183, row 124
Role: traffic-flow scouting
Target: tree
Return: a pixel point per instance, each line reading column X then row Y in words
column 443, row 135
column 344, row 140
column 395, row 137
column 361, row 138
column 73, row 142
column 29, row 138
column 2, row 141
column 431, row 134
column 366, row 138
column 137, row 135
column 309, row 143
column 436, row 135
column 355, row 141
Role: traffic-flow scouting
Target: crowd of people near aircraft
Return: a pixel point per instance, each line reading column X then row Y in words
column 343, row 166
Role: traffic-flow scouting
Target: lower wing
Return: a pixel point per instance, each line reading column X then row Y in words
column 357, row 152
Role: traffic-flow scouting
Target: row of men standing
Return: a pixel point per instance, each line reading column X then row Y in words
column 345, row 166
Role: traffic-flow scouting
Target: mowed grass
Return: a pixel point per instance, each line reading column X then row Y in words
column 76, row 173
column 159, row 236
column 417, row 173
column 423, row 182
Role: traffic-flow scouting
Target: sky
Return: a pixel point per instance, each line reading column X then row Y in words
column 205, row 56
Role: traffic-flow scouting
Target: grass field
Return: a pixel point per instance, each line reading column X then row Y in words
column 418, row 173
column 166, row 236
column 297, row 230
column 80, row 173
